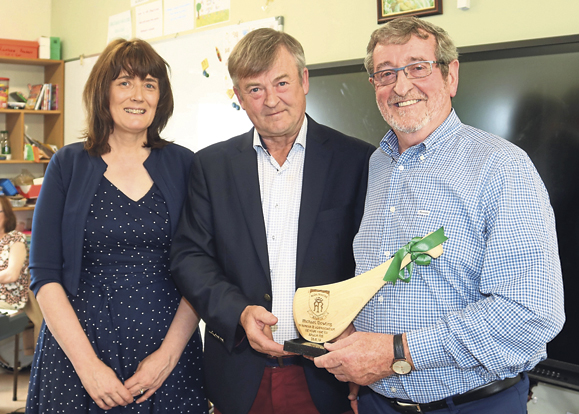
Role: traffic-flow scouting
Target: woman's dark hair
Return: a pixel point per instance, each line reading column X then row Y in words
column 9, row 216
column 137, row 58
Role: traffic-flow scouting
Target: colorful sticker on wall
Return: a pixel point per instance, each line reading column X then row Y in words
column 204, row 66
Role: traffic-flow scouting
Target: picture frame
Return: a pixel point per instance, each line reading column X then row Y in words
column 390, row 9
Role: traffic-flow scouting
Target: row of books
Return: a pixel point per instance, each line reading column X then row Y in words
column 43, row 96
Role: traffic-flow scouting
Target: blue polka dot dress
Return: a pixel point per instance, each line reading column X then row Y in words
column 126, row 301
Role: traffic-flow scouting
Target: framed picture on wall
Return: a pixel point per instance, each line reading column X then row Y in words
column 390, row 9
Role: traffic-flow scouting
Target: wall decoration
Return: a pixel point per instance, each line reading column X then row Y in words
column 390, row 9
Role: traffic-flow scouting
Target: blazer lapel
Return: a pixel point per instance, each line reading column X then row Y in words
column 244, row 167
column 316, row 169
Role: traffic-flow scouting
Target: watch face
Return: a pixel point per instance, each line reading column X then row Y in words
column 401, row 367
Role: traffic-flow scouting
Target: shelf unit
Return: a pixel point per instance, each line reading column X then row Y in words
column 25, row 208
column 53, row 120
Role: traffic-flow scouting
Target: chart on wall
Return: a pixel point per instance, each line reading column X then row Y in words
column 206, row 109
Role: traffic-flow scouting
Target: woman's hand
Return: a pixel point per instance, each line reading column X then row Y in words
column 154, row 369
column 103, row 385
column 99, row 380
column 151, row 374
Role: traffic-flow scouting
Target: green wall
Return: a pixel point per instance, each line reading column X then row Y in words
column 334, row 30
column 25, row 19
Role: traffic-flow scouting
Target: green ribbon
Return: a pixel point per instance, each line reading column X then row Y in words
column 416, row 248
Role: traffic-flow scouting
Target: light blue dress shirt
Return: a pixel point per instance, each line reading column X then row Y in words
column 486, row 308
column 281, row 195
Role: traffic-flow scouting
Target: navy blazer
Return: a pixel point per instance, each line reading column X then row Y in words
column 220, row 259
column 69, row 186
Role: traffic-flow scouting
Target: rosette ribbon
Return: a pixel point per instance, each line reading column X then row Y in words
column 417, row 248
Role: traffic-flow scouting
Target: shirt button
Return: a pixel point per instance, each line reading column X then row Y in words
column 267, row 297
column 392, row 209
column 422, row 157
column 393, row 389
column 401, row 167
column 380, row 299
column 273, row 237
column 387, row 253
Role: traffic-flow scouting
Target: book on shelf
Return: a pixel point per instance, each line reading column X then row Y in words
column 17, row 96
column 44, row 97
column 42, row 101
column 54, row 96
column 34, row 92
column 43, row 151
column 47, row 99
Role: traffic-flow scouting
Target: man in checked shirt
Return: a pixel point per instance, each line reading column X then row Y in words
column 461, row 334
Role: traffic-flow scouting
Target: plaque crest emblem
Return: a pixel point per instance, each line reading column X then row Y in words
column 319, row 302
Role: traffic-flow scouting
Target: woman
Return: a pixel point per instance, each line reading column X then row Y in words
column 14, row 278
column 116, row 327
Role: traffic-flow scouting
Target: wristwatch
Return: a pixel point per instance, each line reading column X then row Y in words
column 400, row 365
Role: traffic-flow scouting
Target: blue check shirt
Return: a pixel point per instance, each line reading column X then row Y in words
column 486, row 308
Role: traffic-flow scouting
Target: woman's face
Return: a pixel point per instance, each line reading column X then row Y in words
column 133, row 103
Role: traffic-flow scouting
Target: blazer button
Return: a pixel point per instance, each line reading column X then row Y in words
column 267, row 297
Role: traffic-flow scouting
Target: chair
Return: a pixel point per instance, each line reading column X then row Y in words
column 14, row 325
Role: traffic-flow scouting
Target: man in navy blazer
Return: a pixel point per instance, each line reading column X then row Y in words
column 268, row 211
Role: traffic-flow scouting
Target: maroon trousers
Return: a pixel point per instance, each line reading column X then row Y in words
column 283, row 390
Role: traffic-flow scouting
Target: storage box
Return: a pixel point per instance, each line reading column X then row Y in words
column 44, row 47
column 19, row 48
column 55, row 50
column 29, row 191
column 7, row 187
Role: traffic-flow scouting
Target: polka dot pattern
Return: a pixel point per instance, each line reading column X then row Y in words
column 125, row 303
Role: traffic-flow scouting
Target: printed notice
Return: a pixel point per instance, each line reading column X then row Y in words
column 120, row 26
column 179, row 16
column 211, row 11
column 149, row 19
column 137, row 2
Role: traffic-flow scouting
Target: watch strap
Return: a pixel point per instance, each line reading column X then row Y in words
column 398, row 347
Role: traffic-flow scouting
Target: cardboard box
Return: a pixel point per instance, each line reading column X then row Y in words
column 19, row 48
column 29, row 191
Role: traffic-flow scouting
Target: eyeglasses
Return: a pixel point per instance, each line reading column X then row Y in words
column 415, row 70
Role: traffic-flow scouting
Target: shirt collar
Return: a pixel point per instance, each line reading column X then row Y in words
column 389, row 143
column 300, row 139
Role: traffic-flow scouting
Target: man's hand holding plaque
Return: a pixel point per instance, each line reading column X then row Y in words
column 322, row 313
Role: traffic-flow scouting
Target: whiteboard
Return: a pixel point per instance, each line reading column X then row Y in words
column 204, row 112
column 75, row 76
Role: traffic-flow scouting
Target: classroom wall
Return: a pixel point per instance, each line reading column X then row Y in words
column 18, row 22
column 334, row 30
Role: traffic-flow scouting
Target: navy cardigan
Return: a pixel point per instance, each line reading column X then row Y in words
column 69, row 186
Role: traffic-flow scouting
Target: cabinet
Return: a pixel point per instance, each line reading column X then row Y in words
column 53, row 121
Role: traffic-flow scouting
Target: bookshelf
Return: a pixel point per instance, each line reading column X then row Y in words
column 16, row 119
